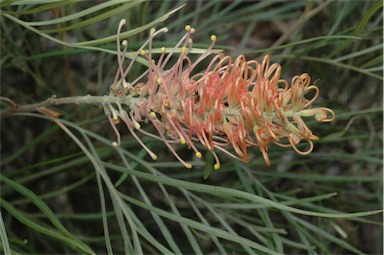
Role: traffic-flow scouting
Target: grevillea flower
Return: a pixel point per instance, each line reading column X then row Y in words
column 230, row 106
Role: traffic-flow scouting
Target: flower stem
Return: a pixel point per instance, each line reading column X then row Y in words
column 88, row 99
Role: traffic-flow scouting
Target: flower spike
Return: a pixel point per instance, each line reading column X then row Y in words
column 231, row 106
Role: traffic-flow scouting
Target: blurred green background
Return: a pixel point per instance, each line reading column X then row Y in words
column 57, row 199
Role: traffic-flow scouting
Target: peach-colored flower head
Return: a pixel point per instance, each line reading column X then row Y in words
column 230, row 106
